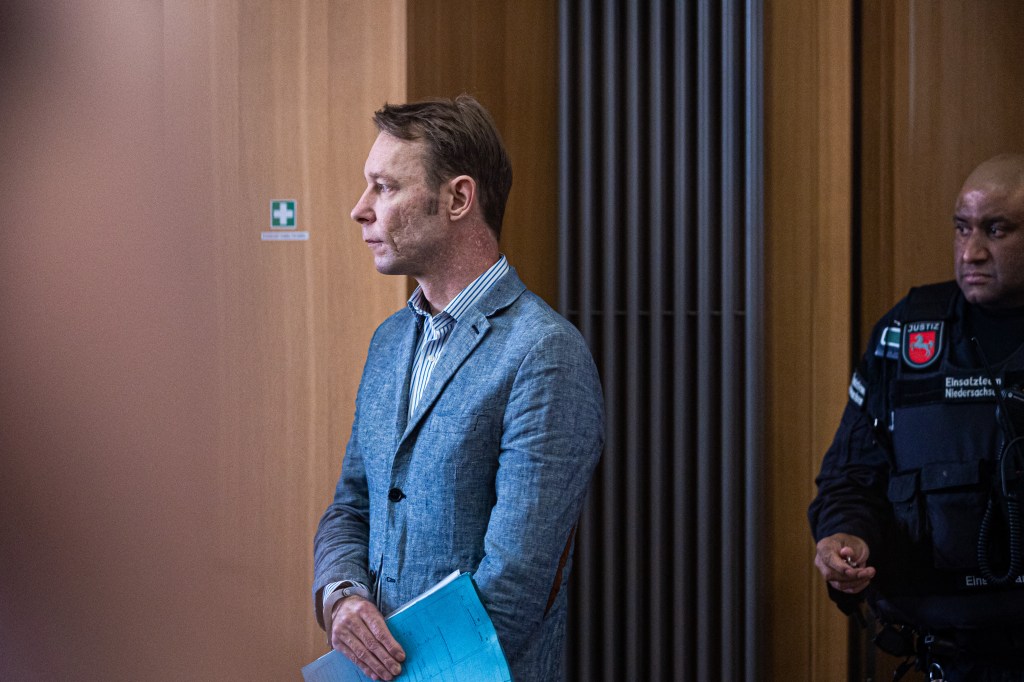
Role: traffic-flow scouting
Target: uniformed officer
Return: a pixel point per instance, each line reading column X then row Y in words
column 919, row 495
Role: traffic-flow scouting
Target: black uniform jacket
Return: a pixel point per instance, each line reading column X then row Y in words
column 913, row 463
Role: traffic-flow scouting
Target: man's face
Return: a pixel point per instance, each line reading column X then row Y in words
column 398, row 211
column 988, row 245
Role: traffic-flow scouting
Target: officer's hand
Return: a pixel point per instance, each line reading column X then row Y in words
column 359, row 632
column 842, row 560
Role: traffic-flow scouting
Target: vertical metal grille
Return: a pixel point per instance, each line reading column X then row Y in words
column 661, row 269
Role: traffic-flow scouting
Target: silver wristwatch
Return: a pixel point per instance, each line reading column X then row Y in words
column 345, row 588
column 349, row 588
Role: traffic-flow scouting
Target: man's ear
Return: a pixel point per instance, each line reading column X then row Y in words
column 462, row 197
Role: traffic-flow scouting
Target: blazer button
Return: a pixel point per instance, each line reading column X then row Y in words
column 396, row 495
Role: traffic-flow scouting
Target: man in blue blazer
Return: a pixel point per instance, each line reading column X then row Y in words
column 479, row 417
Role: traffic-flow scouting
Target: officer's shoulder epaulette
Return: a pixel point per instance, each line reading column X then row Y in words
column 930, row 302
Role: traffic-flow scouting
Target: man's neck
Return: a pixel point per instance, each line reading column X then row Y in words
column 439, row 290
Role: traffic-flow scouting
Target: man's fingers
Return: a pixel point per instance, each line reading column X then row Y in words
column 360, row 646
column 381, row 647
column 361, row 657
column 849, row 588
column 841, row 560
column 839, row 569
column 829, row 563
column 382, row 637
column 848, row 556
column 360, row 634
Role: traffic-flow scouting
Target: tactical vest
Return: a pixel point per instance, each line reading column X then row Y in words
column 944, row 434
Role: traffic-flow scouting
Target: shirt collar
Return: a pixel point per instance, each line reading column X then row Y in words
column 465, row 299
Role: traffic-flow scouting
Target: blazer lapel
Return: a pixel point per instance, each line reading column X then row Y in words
column 403, row 351
column 465, row 338
column 468, row 333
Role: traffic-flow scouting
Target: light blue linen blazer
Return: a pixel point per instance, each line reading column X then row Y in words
column 487, row 476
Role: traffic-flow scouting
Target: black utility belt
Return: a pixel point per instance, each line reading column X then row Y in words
column 1005, row 645
column 1002, row 643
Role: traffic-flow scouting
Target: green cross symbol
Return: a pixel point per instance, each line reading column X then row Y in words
column 282, row 213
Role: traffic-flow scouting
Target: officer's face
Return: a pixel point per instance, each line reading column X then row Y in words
column 988, row 246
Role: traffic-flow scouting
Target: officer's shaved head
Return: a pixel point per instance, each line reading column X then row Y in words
column 988, row 246
column 1004, row 170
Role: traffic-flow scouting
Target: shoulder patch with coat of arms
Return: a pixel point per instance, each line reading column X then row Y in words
column 921, row 343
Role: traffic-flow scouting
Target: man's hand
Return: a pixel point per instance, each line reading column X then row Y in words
column 842, row 560
column 359, row 632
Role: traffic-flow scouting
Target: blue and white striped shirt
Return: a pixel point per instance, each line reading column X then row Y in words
column 437, row 329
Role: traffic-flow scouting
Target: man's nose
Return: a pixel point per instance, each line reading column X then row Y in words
column 975, row 248
column 361, row 212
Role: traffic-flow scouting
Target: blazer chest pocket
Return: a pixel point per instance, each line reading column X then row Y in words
column 459, row 433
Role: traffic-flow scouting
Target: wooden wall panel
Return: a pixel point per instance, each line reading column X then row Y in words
column 176, row 393
column 943, row 95
column 506, row 55
column 807, row 215
column 294, row 88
